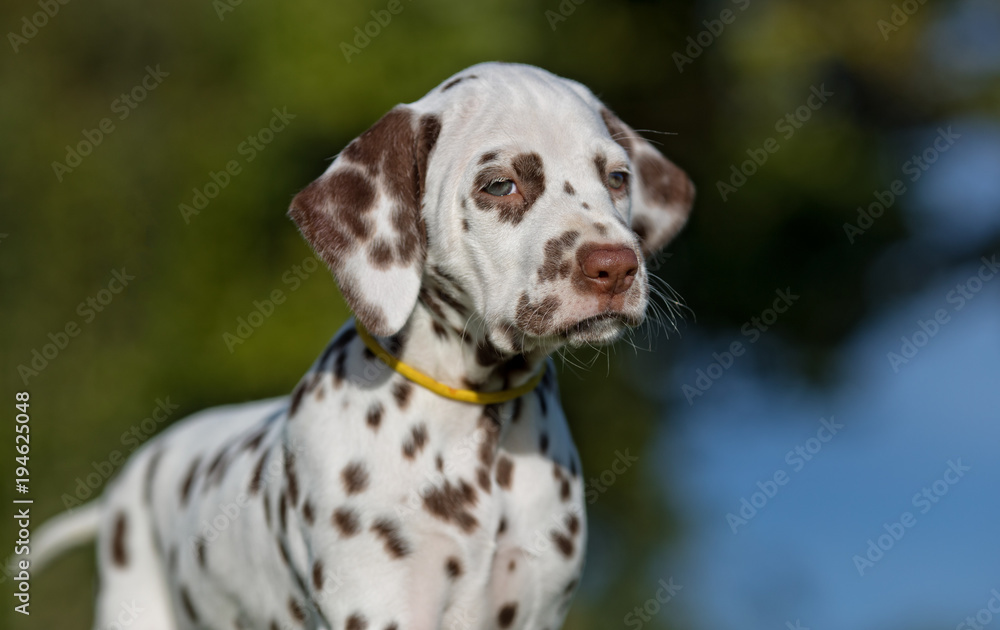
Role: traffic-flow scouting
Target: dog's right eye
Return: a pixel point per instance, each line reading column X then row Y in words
column 501, row 188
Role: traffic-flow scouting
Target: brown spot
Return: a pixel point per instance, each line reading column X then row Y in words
column 392, row 626
column 374, row 417
column 381, row 254
column 450, row 300
column 543, row 442
column 300, row 390
column 585, row 205
column 154, row 462
column 258, row 472
column 415, row 443
column 188, row 605
column 317, row 575
column 401, row 391
column 564, row 490
column 502, row 527
column 511, row 566
column 298, row 614
column 450, row 503
column 201, row 552
column 453, row 567
column 216, row 470
column 346, row 521
column 283, row 510
column 487, row 157
column 483, row 479
column 339, row 369
column 252, row 443
column 189, row 480
column 536, row 317
column 308, row 513
column 487, row 354
column 573, row 524
column 568, row 188
column 507, row 614
column 505, row 471
column 454, row 82
column 388, row 531
column 542, row 403
column 119, row 555
column 440, row 331
column 292, row 479
column 563, row 542
column 356, row 622
column 284, row 552
column 552, row 265
column 465, row 225
column 354, row 477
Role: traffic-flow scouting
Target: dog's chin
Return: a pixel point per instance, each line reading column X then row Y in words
column 596, row 330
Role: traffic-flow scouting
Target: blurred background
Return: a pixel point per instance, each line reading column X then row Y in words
column 837, row 365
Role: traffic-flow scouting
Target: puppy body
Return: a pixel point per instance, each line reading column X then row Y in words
column 473, row 232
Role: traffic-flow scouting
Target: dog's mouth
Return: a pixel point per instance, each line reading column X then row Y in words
column 599, row 329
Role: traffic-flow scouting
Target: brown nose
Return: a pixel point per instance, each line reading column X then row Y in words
column 610, row 269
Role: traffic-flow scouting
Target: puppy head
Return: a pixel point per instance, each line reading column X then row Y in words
column 534, row 201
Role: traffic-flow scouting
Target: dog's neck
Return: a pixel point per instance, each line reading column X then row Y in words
column 460, row 356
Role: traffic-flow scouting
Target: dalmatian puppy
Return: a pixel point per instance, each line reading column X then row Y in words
column 421, row 475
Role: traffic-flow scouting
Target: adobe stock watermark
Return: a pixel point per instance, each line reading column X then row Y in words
column 984, row 616
column 959, row 297
column 131, row 439
column 644, row 612
column 123, row 106
column 913, row 168
column 752, row 331
column 900, row 15
column 561, row 529
column 713, row 29
column 60, row 340
column 38, row 20
column 225, row 7
column 796, row 459
column 787, row 126
column 923, row 501
column 248, row 150
column 565, row 9
column 292, row 278
column 363, row 35
column 227, row 513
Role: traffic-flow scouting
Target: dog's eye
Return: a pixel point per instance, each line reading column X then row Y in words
column 501, row 188
column 617, row 179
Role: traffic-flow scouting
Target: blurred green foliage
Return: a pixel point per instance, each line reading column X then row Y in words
column 163, row 335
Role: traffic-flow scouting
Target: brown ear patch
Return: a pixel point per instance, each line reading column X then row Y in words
column 371, row 200
column 663, row 182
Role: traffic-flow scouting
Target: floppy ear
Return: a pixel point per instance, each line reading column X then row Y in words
column 662, row 194
column 363, row 217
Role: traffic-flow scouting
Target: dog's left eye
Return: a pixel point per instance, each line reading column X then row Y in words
column 616, row 180
column 501, row 188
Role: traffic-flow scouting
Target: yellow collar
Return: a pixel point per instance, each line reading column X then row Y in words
column 439, row 388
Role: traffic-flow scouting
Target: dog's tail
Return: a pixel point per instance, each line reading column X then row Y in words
column 63, row 532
